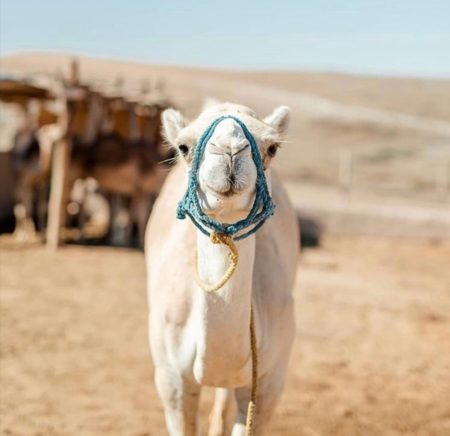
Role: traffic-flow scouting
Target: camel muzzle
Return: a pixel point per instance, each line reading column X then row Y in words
column 263, row 206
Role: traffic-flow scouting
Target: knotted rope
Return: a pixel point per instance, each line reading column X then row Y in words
column 221, row 233
column 233, row 256
column 251, row 410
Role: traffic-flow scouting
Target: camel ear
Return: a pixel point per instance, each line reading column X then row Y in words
column 279, row 119
column 172, row 122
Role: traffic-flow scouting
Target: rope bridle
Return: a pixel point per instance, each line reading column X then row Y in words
column 262, row 209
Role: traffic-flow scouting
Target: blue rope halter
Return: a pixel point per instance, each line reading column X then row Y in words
column 263, row 206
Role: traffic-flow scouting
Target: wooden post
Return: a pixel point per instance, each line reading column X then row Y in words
column 58, row 193
column 120, row 223
column 119, row 82
column 74, row 76
column 345, row 171
column 145, row 88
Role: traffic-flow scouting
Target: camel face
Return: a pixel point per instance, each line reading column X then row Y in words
column 227, row 173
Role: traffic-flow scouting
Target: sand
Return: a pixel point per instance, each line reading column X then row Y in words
column 372, row 350
column 371, row 355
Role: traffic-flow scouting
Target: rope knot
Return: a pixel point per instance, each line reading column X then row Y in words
column 220, row 238
column 233, row 256
column 223, row 238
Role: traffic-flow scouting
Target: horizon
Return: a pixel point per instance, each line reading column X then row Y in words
column 405, row 39
column 368, row 74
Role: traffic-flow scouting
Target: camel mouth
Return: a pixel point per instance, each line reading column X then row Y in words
column 229, row 193
column 224, row 194
column 228, row 205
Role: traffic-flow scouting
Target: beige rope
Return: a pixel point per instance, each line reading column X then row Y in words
column 251, row 410
column 233, row 255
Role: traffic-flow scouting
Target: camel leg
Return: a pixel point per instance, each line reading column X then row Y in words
column 25, row 229
column 41, row 210
column 223, row 413
column 180, row 401
column 269, row 391
column 141, row 205
column 120, row 226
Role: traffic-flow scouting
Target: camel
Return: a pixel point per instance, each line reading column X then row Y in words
column 200, row 338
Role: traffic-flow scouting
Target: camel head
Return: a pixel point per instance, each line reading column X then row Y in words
column 227, row 173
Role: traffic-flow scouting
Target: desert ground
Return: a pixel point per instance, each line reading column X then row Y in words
column 371, row 355
column 372, row 350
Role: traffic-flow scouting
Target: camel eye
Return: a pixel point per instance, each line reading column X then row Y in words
column 272, row 150
column 184, row 149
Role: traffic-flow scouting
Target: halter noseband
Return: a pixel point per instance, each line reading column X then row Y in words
column 262, row 208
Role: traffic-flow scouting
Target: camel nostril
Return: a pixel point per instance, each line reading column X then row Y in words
column 232, row 178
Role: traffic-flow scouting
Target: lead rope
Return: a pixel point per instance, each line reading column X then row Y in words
column 251, row 410
column 233, row 256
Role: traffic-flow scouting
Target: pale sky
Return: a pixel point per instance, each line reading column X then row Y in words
column 363, row 36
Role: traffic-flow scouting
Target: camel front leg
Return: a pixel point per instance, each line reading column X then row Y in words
column 141, row 206
column 180, row 401
column 25, row 230
column 269, row 390
column 223, row 413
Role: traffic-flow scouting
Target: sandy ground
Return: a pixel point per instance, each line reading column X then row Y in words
column 372, row 354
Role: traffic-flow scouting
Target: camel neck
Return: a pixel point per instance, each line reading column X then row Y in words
column 223, row 315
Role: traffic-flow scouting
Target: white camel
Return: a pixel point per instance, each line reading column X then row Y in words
column 200, row 338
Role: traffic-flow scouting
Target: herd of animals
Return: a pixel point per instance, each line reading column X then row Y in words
column 115, row 147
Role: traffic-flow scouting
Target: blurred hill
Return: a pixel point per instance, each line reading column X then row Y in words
column 393, row 124
column 396, row 130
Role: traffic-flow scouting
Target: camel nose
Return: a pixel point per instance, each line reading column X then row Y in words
column 238, row 148
column 229, row 150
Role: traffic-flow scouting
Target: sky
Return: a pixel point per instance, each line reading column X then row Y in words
column 395, row 37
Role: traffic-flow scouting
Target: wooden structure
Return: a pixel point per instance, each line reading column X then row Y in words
column 109, row 137
column 17, row 91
